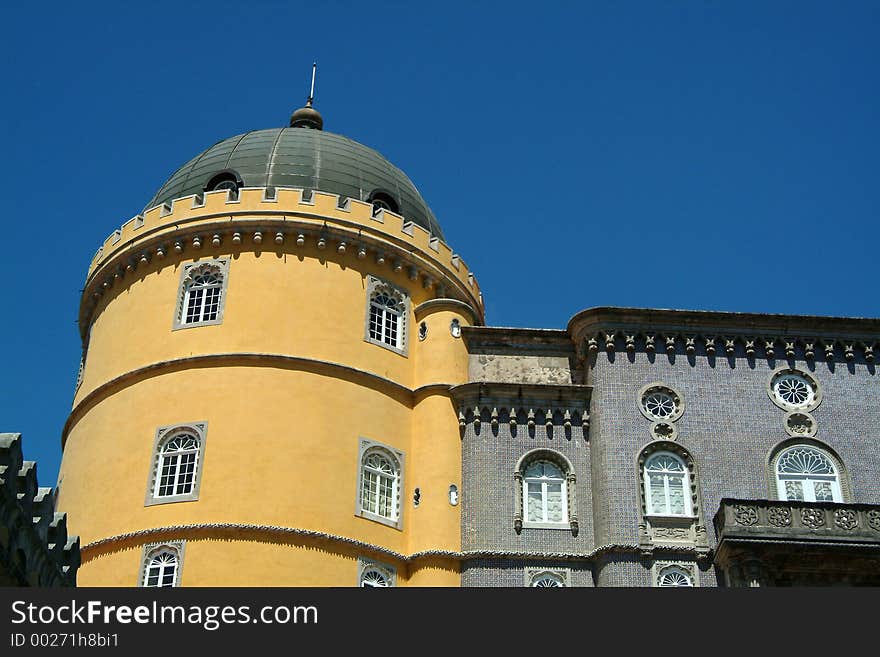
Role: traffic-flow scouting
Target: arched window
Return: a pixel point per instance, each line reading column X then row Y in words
column 548, row 579
column 379, row 483
column 374, row 574
column 178, row 462
column 161, row 565
column 224, row 180
column 386, row 315
column 175, row 474
column 383, row 201
column 673, row 576
column 667, row 489
column 544, row 493
column 201, row 295
column 806, row 473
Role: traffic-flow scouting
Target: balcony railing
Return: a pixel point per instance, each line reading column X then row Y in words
column 820, row 522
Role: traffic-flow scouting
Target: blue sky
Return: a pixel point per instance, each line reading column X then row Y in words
column 700, row 155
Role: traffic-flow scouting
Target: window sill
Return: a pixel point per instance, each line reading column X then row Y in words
column 394, row 524
column 565, row 526
column 385, row 345
column 171, row 499
column 210, row 322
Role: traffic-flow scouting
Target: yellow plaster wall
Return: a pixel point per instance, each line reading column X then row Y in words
column 283, row 433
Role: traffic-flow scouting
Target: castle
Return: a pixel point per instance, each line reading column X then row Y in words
column 287, row 380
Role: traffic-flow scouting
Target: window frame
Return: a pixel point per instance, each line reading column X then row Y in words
column 365, row 565
column 366, row 447
column 544, row 495
column 532, row 575
column 163, row 436
column 835, row 479
column 186, row 271
column 686, row 488
column 569, row 489
column 689, row 570
column 376, row 286
column 150, row 550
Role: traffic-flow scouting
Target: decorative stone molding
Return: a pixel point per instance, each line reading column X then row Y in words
column 366, row 447
column 711, row 334
column 163, row 435
column 542, row 577
column 523, row 405
column 777, row 450
column 188, row 273
column 660, row 402
column 205, row 221
column 797, row 543
column 800, row 424
column 674, row 573
column 35, row 549
column 562, row 462
column 150, row 550
column 793, row 389
column 804, row 522
column 661, row 532
column 375, row 571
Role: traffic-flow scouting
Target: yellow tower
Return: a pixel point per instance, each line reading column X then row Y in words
column 267, row 356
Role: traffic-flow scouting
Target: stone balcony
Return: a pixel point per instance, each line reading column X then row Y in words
column 769, row 542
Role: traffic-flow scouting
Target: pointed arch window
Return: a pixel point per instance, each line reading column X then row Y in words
column 666, row 484
column 202, row 293
column 806, row 473
column 161, row 565
column 387, row 312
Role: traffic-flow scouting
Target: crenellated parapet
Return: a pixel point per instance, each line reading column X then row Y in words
column 724, row 335
column 264, row 218
column 35, row 549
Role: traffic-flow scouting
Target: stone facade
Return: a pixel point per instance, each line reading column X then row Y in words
column 725, row 432
column 35, row 549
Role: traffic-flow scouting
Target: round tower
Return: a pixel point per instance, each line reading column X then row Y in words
column 264, row 396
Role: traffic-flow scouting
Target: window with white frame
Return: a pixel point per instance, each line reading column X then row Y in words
column 380, row 479
column 806, row 473
column 544, row 493
column 176, row 470
column 202, row 293
column 387, row 311
column 161, row 564
column 667, row 489
column 372, row 574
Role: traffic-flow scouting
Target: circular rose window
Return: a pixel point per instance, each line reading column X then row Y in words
column 792, row 390
column 659, row 402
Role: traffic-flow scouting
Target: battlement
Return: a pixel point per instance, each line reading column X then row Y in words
column 35, row 549
column 275, row 214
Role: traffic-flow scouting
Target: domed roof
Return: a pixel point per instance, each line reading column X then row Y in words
column 299, row 157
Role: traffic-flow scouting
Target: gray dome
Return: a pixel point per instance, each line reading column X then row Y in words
column 297, row 157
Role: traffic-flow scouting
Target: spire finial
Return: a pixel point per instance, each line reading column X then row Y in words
column 312, row 89
column 308, row 116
